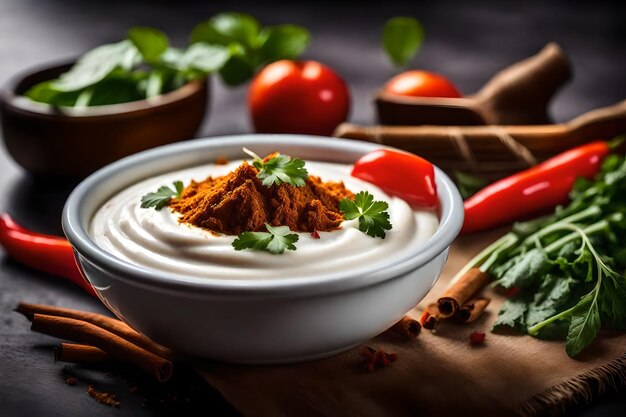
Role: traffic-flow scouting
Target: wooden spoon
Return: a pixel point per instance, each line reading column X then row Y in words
column 493, row 151
column 519, row 94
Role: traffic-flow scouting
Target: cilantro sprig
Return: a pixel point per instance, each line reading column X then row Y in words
column 162, row 196
column 276, row 240
column 279, row 169
column 372, row 215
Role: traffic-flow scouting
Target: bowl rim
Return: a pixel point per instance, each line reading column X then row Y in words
column 451, row 220
column 18, row 102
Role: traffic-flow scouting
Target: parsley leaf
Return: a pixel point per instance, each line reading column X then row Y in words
column 512, row 315
column 279, row 169
column 276, row 240
column 162, row 196
column 372, row 215
column 524, row 270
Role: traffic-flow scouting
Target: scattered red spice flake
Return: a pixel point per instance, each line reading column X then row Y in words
column 70, row 380
column 103, row 397
column 375, row 359
column 315, row 234
column 133, row 390
column 221, row 160
column 511, row 292
column 477, row 338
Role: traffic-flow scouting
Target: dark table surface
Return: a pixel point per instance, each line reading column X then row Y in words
column 467, row 41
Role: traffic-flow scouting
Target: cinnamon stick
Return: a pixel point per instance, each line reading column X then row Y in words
column 71, row 352
column 430, row 316
column 472, row 310
column 460, row 291
column 407, row 328
column 110, row 324
column 119, row 348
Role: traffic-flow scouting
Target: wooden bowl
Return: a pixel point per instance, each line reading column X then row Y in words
column 69, row 142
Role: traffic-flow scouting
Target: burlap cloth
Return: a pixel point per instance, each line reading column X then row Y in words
column 436, row 374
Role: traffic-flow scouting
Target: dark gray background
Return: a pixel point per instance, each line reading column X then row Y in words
column 467, row 41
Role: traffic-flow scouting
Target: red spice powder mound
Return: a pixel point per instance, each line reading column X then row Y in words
column 239, row 202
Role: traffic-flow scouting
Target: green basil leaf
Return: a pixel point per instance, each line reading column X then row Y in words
column 283, row 42
column 97, row 64
column 116, row 90
column 154, row 85
column 204, row 57
column 228, row 27
column 205, row 32
column 402, row 38
column 238, row 69
column 42, row 92
column 172, row 58
column 150, row 42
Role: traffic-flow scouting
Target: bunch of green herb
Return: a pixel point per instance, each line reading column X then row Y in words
column 146, row 65
column 568, row 267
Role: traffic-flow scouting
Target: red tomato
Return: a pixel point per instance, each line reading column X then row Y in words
column 399, row 174
column 421, row 84
column 298, row 97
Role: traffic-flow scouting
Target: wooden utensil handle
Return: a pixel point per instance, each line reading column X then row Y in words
column 520, row 94
column 603, row 123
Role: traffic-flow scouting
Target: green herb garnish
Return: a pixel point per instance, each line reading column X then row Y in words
column 162, row 196
column 372, row 215
column 568, row 266
column 402, row 38
column 279, row 169
column 276, row 240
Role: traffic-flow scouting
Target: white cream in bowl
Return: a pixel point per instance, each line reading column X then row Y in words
column 157, row 240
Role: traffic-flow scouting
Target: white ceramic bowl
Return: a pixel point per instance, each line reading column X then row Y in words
column 286, row 319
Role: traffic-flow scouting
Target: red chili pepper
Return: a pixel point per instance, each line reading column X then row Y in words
column 50, row 254
column 400, row 174
column 541, row 187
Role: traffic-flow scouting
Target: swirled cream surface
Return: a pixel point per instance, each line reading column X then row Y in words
column 157, row 240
